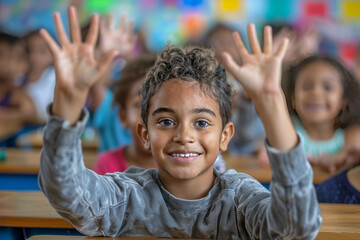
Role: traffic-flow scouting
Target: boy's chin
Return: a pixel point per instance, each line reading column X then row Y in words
column 185, row 174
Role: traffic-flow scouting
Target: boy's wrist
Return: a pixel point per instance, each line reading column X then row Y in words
column 68, row 108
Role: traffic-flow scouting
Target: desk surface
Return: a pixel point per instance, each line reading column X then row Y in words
column 31, row 209
column 35, row 139
column 27, row 161
column 28, row 209
column 251, row 166
column 8, row 129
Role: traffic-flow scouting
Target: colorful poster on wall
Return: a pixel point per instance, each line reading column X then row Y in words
column 350, row 10
column 229, row 10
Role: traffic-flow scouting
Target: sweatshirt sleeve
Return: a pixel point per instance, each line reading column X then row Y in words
column 78, row 194
column 292, row 211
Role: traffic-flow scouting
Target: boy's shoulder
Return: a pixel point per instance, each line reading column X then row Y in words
column 136, row 176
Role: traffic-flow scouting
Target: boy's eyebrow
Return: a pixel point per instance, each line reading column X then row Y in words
column 203, row 110
column 163, row 109
column 195, row 110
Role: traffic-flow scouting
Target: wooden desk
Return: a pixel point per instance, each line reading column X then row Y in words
column 20, row 168
column 27, row 161
column 31, row 209
column 340, row 221
column 8, row 129
column 35, row 140
column 263, row 174
column 28, row 209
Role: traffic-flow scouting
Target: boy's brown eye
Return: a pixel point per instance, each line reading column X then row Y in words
column 166, row 122
column 202, row 124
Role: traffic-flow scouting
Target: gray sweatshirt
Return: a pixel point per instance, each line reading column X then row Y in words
column 135, row 203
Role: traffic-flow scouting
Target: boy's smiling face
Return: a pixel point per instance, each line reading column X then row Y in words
column 185, row 131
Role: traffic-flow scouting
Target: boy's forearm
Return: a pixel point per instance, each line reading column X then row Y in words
column 276, row 120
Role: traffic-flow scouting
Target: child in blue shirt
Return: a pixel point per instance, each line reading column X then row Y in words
column 105, row 114
column 185, row 111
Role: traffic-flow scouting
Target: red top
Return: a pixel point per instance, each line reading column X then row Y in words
column 111, row 161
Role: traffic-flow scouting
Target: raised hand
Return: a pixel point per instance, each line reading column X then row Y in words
column 121, row 38
column 260, row 76
column 75, row 66
column 261, row 70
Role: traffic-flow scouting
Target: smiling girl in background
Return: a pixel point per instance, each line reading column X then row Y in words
column 322, row 97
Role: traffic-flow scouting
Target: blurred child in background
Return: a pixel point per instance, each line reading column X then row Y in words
column 219, row 37
column 249, row 134
column 16, row 108
column 323, row 98
column 127, row 96
column 13, row 59
column 40, row 79
column 301, row 42
column 105, row 115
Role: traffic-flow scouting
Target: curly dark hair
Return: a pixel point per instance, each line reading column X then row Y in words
column 134, row 70
column 192, row 64
column 349, row 114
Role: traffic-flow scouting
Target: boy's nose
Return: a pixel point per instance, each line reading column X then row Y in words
column 184, row 134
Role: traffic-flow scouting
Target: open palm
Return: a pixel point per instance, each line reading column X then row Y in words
column 261, row 71
column 75, row 65
column 121, row 37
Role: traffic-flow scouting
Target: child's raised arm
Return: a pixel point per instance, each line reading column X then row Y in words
column 75, row 66
column 121, row 38
column 260, row 76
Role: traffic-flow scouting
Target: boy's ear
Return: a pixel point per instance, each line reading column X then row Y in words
column 143, row 134
column 226, row 135
column 122, row 116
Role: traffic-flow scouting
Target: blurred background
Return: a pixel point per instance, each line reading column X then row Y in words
column 180, row 21
column 27, row 78
column 27, row 75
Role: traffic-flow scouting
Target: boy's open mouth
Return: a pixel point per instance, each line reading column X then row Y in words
column 184, row 154
column 184, row 157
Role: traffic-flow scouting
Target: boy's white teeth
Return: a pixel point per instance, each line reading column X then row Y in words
column 184, row 154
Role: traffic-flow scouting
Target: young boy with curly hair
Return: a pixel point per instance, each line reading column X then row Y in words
column 186, row 105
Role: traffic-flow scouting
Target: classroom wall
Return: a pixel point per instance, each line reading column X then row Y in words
column 179, row 20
